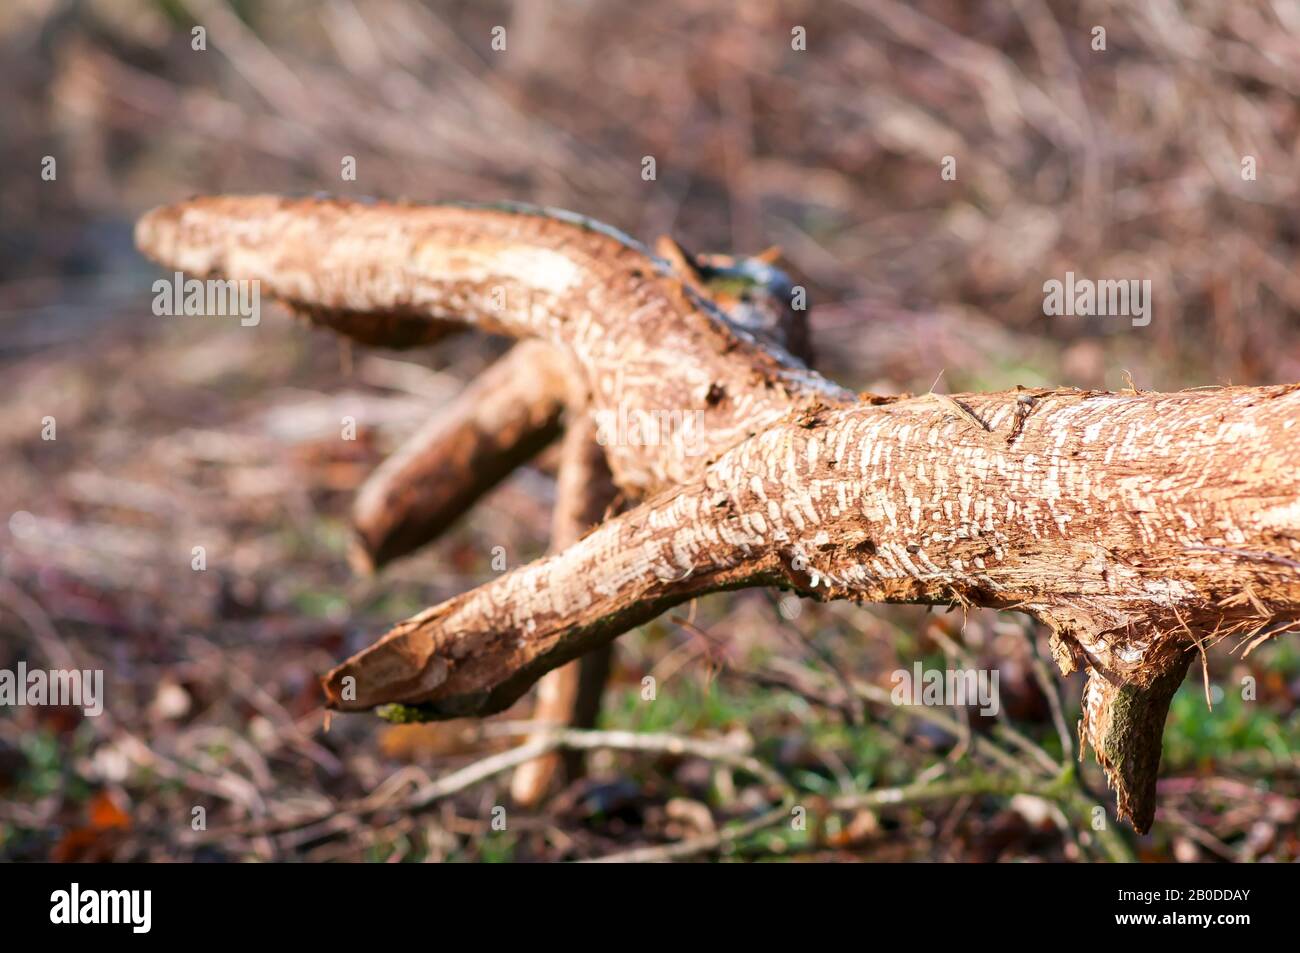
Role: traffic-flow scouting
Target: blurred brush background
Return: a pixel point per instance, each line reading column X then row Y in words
column 178, row 432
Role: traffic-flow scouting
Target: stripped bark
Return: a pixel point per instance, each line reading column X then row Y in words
column 1139, row 527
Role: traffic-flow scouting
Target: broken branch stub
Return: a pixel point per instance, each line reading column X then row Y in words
column 1137, row 526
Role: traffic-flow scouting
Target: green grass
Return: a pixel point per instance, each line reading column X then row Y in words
column 1195, row 736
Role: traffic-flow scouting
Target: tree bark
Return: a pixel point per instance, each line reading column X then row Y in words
column 1139, row 527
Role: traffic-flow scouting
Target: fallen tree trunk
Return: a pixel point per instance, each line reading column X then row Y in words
column 1140, row 527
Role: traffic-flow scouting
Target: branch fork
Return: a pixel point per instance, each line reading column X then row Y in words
column 1137, row 526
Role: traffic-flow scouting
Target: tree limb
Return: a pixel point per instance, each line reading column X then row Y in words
column 1138, row 526
column 501, row 421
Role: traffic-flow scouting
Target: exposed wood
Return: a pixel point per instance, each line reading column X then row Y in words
column 643, row 338
column 1138, row 526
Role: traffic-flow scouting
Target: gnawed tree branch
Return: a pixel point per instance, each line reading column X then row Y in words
column 1139, row 527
